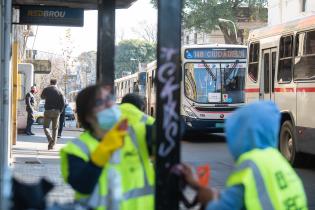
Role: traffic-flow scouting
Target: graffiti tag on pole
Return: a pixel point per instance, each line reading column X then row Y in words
column 167, row 77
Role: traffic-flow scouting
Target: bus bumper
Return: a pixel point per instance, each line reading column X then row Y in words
column 204, row 125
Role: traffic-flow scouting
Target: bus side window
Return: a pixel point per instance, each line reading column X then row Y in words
column 305, row 61
column 299, row 43
column 285, row 59
column 253, row 61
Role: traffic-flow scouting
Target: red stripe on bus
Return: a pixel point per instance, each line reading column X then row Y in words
column 285, row 90
column 252, row 90
column 305, row 89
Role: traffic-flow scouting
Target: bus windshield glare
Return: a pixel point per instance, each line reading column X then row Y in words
column 215, row 82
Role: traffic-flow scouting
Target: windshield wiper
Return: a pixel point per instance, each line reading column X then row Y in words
column 227, row 78
column 209, row 70
column 232, row 68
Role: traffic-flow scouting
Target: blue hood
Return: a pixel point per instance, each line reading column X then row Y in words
column 253, row 126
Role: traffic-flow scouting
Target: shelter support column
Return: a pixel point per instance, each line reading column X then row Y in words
column 168, row 80
column 5, row 102
column 106, row 42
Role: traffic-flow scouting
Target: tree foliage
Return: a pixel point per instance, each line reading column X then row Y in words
column 130, row 52
column 147, row 31
column 203, row 15
column 87, row 67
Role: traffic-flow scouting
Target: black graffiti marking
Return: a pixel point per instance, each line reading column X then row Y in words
column 282, row 183
column 166, row 75
column 291, row 204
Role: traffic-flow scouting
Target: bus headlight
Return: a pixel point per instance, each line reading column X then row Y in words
column 189, row 112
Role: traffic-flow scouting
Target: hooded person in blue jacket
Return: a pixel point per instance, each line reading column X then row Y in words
column 252, row 131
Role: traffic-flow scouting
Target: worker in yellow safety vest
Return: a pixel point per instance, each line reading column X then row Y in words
column 132, row 108
column 262, row 179
column 108, row 166
column 132, row 105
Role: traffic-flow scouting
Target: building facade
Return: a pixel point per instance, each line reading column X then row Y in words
column 281, row 11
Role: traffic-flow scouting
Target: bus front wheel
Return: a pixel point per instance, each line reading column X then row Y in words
column 287, row 144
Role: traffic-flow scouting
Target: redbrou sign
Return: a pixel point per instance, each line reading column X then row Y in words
column 54, row 16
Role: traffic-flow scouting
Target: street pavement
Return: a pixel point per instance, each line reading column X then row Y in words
column 31, row 160
column 212, row 150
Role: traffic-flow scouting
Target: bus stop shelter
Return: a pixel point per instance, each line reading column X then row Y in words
column 85, row 4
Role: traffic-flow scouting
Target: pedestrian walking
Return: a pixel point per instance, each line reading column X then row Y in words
column 262, row 178
column 62, row 120
column 108, row 166
column 54, row 104
column 30, row 103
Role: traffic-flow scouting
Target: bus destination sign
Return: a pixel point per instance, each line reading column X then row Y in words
column 216, row 53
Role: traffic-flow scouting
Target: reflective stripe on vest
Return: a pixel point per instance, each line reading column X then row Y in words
column 95, row 200
column 260, row 185
column 147, row 189
column 84, row 148
column 144, row 118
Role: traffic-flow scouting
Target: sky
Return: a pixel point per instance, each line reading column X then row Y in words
column 49, row 39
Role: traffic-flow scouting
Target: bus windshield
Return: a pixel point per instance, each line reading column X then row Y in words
column 215, row 82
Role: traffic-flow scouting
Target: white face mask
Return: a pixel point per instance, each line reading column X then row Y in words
column 108, row 117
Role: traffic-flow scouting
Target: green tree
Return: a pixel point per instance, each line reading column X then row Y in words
column 87, row 67
column 203, row 15
column 128, row 50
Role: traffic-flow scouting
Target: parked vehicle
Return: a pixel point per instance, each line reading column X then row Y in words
column 69, row 113
column 39, row 117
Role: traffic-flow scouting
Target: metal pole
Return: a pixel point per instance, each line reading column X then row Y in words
column 5, row 86
column 168, row 103
column 106, row 42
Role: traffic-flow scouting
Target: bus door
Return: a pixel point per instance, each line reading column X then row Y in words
column 267, row 74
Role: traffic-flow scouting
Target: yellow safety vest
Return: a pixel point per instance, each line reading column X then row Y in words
column 269, row 181
column 134, row 115
column 126, row 182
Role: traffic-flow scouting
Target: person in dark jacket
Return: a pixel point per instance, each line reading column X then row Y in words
column 30, row 102
column 54, row 105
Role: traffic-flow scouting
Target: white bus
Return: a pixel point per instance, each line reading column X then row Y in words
column 134, row 83
column 213, row 81
column 282, row 69
column 151, row 88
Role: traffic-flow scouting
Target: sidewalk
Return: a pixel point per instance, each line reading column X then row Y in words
column 31, row 160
